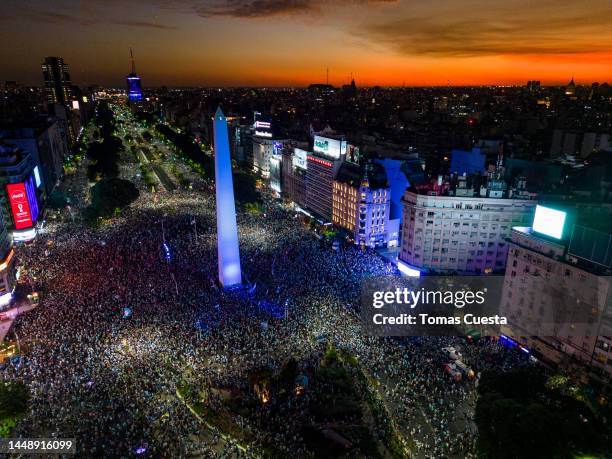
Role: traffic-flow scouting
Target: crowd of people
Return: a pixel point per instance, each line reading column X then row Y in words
column 124, row 322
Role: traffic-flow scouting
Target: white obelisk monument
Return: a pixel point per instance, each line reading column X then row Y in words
column 227, row 230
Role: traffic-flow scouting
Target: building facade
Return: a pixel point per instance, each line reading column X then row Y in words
column 19, row 195
column 459, row 234
column 361, row 205
column 56, row 81
column 47, row 148
column 264, row 150
column 320, row 174
column 537, row 263
column 294, row 168
column 7, row 266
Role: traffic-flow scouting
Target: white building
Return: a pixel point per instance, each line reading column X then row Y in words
column 537, row 264
column 459, row 234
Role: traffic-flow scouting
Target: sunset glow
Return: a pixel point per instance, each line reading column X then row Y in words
column 292, row 42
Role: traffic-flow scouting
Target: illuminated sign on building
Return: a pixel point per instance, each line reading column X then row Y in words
column 352, row 154
column 275, row 173
column 263, row 124
column 299, row 159
column 549, row 222
column 19, row 205
column 32, row 200
column 75, row 105
column 320, row 161
column 37, row 177
column 332, row 148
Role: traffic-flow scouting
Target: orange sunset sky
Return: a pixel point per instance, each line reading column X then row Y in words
column 292, row 42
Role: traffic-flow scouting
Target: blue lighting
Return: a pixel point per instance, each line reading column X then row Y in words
column 506, row 341
column 32, row 200
column 227, row 231
column 167, row 252
column 408, row 270
column 134, row 87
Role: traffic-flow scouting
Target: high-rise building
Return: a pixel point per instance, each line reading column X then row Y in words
column 7, row 266
column 459, row 234
column 44, row 142
column 56, row 77
column 19, row 192
column 264, row 149
column 361, row 205
column 294, row 166
column 134, row 86
column 323, row 165
column 557, row 293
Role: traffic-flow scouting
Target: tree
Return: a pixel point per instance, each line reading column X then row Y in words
column 13, row 399
column 109, row 195
column 518, row 416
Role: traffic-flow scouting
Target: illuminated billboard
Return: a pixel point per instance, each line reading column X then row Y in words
column 263, row 126
column 32, row 200
column 275, row 173
column 352, row 154
column 37, row 177
column 549, row 221
column 277, row 148
column 332, row 148
column 263, row 134
column 19, row 205
column 299, row 159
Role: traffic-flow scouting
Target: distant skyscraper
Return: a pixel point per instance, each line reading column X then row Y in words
column 56, row 75
column 227, row 230
column 133, row 82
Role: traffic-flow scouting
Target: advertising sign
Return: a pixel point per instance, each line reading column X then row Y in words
column 275, row 173
column 37, row 177
column 299, row 159
column 32, row 200
column 332, row 148
column 549, row 221
column 352, row 154
column 263, row 126
column 19, row 205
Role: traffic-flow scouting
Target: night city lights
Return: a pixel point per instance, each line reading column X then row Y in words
column 306, row 229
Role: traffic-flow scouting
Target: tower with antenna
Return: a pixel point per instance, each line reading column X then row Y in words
column 134, row 86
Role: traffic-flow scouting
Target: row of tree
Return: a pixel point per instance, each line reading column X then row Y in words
column 518, row 415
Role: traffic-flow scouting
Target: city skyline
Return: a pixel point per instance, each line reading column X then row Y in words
column 293, row 42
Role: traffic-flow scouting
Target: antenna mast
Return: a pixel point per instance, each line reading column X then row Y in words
column 132, row 59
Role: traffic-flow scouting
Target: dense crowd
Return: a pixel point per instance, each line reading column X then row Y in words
column 108, row 375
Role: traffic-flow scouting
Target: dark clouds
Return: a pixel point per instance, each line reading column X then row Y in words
column 499, row 30
column 266, row 8
column 85, row 15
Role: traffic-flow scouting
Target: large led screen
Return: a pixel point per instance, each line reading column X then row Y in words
column 19, row 205
column 549, row 221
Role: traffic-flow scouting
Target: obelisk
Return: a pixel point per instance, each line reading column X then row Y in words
column 227, row 230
